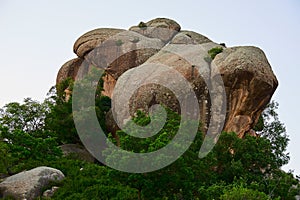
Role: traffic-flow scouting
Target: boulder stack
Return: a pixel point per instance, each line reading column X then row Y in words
column 248, row 79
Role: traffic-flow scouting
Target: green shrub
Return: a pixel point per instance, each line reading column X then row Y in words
column 223, row 44
column 260, row 124
column 142, row 25
column 89, row 181
column 241, row 193
column 24, row 151
column 214, row 51
column 212, row 192
column 119, row 42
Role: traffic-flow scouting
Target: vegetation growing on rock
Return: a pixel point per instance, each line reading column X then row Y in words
column 142, row 25
column 249, row 167
column 214, row 51
column 239, row 166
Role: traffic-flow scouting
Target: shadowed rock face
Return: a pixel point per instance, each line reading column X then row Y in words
column 69, row 69
column 249, row 82
column 247, row 75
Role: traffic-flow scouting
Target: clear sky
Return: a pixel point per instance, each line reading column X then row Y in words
column 37, row 37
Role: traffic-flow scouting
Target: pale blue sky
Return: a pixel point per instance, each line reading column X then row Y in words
column 37, row 37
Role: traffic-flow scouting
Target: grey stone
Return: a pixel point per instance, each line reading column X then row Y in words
column 28, row 184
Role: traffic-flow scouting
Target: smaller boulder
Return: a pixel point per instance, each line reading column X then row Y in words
column 88, row 41
column 29, row 184
column 49, row 193
column 161, row 28
column 189, row 37
column 77, row 151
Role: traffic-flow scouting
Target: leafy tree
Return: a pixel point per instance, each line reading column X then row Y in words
column 251, row 159
column 60, row 118
column 28, row 116
column 89, row 181
column 24, row 151
column 5, row 158
column 260, row 124
column 241, row 193
column 247, row 168
column 275, row 132
column 174, row 181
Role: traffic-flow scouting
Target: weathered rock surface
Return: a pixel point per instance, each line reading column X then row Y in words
column 248, row 78
column 249, row 82
column 161, row 28
column 28, row 184
column 92, row 39
column 180, row 59
column 69, row 69
column 116, row 53
column 124, row 51
column 77, row 151
column 189, row 37
column 108, row 85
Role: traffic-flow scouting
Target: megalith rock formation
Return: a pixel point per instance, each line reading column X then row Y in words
column 248, row 80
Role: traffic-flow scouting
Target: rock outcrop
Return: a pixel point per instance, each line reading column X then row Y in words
column 249, row 82
column 248, row 79
column 29, row 184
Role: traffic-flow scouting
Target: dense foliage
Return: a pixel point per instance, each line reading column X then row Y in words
column 247, row 168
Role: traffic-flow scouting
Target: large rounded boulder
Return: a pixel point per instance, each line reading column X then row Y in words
column 88, row 41
column 249, row 82
column 165, row 69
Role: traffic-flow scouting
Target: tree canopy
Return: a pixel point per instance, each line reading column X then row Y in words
column 247, row 168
